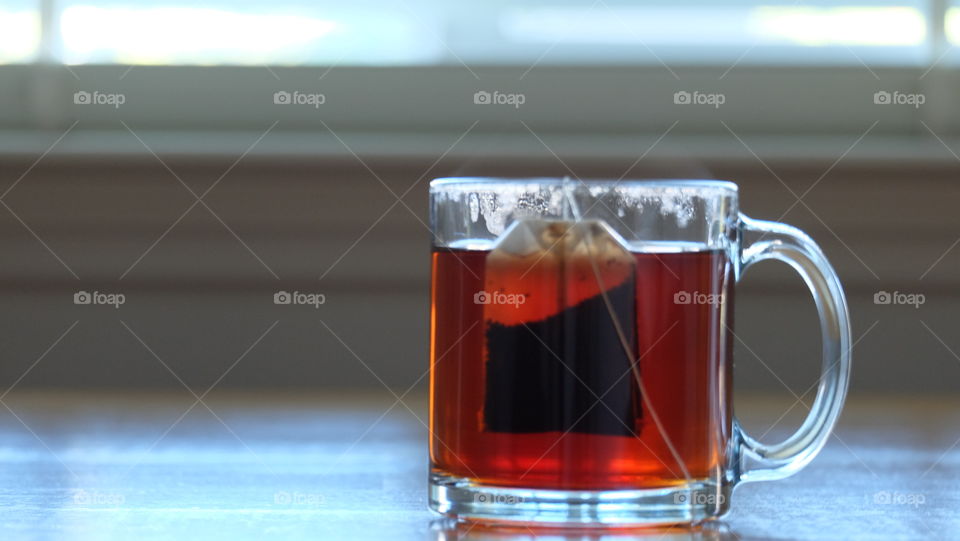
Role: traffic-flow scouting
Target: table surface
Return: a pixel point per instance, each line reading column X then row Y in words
column 353, row 466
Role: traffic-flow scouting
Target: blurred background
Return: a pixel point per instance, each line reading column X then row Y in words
column 199, row 158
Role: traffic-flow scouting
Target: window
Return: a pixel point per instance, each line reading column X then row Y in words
column 20, row 31
column 610, row 67
column 411, row 32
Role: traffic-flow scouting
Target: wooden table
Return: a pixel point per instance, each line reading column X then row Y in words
column 239, row 465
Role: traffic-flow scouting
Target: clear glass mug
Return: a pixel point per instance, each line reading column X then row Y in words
column 581, row 350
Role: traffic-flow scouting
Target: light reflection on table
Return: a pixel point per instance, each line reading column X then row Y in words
column 128, row 466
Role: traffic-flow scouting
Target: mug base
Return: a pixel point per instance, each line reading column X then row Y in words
column 686, row 503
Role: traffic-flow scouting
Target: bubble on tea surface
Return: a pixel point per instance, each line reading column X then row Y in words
column 502, row 205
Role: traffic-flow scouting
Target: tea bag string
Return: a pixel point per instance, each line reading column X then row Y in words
column 634, row 365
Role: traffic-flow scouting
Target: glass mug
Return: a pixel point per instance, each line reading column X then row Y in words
column 581, row 350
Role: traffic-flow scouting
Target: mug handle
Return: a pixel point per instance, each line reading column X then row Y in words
column 761, row 462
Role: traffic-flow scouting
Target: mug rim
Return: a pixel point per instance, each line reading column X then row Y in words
column 726, row 185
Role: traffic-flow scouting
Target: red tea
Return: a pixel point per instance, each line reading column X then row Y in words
column 580, row 374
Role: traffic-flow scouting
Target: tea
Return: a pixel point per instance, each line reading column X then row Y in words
column 570, row 369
